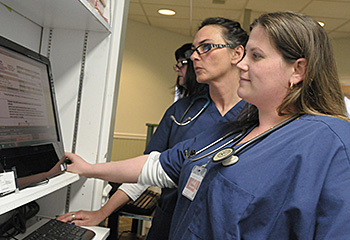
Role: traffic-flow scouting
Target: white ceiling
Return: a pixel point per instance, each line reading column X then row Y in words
column 189, row 13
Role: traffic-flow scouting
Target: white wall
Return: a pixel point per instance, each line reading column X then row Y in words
column 147, row 77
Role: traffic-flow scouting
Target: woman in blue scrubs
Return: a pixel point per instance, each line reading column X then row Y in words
column 293, row 180
column 216, row 68
column 224, row 106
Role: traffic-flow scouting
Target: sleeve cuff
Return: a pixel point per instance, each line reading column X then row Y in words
column 153, row 174
column 133, row 190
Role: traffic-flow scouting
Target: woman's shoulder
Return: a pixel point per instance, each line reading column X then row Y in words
column 330, row 124
column 324, row 119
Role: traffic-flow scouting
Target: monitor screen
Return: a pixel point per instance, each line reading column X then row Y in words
column 30, row 136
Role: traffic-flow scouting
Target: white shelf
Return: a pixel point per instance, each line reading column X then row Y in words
column 67, row 14
column 17, row 199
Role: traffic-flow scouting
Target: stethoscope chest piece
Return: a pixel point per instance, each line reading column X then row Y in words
column 226, row 157
column 230, row 161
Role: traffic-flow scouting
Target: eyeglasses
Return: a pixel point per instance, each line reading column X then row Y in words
column 206, row 47
column 180, row 64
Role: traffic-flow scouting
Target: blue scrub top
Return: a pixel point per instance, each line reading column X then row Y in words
column 167, row 135
column 293, row 184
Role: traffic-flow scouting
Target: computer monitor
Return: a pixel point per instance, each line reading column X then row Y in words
column 30, row 133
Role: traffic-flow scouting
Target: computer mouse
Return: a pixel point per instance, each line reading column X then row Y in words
column 67, row 161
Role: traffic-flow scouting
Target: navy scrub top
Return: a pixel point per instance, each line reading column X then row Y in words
column 293, row 184
column 167, row 135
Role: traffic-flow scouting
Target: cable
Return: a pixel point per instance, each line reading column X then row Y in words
column 121, row 234
column 17, row 222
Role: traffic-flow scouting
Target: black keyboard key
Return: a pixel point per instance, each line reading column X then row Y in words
column 57, row 230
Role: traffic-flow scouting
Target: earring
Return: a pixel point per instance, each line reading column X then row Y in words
column 291, row 85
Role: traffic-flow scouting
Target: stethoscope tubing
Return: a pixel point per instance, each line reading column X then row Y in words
column 234, row 151
column 190, row 119
column 241, row 133
column 261, row 136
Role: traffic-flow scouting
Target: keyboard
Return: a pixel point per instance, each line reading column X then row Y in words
column 57, row 230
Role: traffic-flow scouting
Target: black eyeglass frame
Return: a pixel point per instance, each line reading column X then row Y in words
column 210, row 46
column 180, row 64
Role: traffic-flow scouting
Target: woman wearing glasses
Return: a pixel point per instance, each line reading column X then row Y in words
column 217, row 48
column 221, row 104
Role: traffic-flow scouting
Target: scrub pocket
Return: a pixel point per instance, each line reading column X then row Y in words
column 219, row 210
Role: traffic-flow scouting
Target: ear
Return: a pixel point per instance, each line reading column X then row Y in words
column 299, row 70
column 237, row 54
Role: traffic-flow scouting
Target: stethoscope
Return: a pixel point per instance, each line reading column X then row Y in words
column 228, row 156
column 190, row 119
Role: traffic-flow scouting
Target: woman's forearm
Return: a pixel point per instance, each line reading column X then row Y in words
column 126, row 171
column 118, row 200
column 120, row 171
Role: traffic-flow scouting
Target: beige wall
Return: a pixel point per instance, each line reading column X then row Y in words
column 147, row 77
column 127, row 148
column 342, row 55
column 146, row 85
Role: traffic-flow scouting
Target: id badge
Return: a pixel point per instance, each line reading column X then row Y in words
column 194, row 181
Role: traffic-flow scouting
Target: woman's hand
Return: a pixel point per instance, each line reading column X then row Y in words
column 79, row 165
column 83, row 218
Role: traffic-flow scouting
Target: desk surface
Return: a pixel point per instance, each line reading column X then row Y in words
column 101, row 232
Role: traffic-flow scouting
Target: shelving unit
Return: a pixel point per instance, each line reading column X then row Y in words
column 61, row 29
column 17, row 199
column 78, row 14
